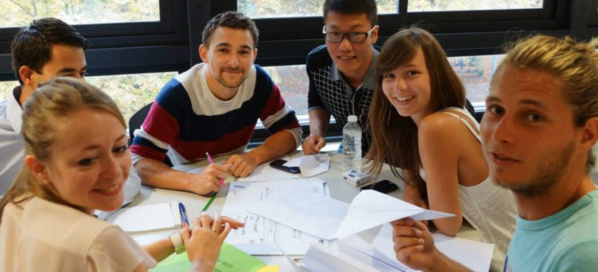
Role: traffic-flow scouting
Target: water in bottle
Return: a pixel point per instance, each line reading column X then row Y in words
column 352, row 144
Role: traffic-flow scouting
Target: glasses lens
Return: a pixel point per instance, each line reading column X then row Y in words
column 357, row 37
column 334, row 36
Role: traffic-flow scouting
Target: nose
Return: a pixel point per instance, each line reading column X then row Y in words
column 233, row 61
column 504, row 130
column 401, row 84
column 345, row 44
column 111, row 168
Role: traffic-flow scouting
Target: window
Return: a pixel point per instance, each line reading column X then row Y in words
column 132, row 91
column 462, row 5
column 293, row 8
column 475, row 73
column 15, row 13
column 6, row 88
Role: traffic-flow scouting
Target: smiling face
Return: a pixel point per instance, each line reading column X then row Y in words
column 89, row 163
column 229, row 56
column 528, row 132
column 408, row 89
column 352, row 59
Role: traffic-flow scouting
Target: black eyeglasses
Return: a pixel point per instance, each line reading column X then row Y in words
column 354, row 37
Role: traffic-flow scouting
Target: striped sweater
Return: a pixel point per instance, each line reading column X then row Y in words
column 187, row 120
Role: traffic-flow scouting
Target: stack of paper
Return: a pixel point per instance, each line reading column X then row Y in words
column 147, row 218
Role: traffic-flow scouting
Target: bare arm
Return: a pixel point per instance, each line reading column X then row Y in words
column 412, row 192
column 440, row 152
column 319, row 120
column 158, row 174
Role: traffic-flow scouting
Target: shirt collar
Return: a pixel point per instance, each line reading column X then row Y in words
column 14, row 111
column 369, row 82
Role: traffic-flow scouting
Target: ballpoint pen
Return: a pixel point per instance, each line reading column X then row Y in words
column 209, row 202
column 212, row 162
column 183, row 213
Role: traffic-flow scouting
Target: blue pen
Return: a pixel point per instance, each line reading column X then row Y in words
column 183, row 213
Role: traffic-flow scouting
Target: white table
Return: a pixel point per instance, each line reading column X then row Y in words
column 339, row 190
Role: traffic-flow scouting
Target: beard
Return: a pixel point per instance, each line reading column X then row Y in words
column 547, row 175
column 230, row 83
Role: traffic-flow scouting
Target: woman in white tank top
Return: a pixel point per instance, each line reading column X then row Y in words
column 418, row 124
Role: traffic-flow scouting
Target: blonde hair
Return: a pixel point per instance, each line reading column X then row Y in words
column 574, row 63
column 52, row 101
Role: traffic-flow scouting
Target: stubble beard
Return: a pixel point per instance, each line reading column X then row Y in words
column 548, row 174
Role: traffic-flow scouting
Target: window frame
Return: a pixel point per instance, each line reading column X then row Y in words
column 171, row 44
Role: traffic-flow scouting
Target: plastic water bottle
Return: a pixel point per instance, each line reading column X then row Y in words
column 352, row 144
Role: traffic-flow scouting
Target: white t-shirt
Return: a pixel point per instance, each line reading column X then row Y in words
column 39, row 235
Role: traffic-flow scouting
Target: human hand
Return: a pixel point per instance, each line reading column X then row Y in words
column 204, row 244
column 242, row 165
column 207, row 181
column 312, row 144
column 413, row 244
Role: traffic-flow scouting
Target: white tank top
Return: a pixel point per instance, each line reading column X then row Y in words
column 490, row 209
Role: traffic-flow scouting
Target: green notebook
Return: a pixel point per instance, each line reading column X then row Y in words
column 231, row 259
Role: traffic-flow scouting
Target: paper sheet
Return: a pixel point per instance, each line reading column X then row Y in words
column 474, row 255
column 147, row 218
column 230, row 259
column 305, row 211
column 370, row 209
column 314, row 164
column 260, row 234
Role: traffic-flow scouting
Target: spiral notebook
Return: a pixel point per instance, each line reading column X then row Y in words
column 148, row 217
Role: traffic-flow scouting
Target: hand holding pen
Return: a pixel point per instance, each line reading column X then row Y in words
column 209, row 180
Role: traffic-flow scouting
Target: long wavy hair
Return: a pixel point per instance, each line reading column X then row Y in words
column 50, row 103
column 394, row 137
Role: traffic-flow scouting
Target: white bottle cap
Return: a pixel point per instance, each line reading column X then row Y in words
column 352, row 118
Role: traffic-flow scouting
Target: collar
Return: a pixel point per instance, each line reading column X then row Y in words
column 369, row 82
column 14, row 111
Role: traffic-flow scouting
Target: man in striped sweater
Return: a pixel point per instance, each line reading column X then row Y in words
column 213, row 107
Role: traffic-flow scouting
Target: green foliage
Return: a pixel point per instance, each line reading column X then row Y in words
column 20, row 13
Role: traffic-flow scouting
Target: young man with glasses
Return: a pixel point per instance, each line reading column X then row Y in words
column 341, row 72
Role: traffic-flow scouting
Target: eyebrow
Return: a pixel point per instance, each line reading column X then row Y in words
column 523, row 102
column 351, row 27
column 245, row 46
column 97, row 146
column 70, row 70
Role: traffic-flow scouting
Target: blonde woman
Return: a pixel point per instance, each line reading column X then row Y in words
column 77, row 161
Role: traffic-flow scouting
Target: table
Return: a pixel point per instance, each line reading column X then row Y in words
column 339, row 190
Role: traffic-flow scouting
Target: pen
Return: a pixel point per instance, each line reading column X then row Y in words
column 212, row 162
column 183, row 213
column 209, row 202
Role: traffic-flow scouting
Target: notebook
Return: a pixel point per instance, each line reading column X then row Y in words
column 148, row 217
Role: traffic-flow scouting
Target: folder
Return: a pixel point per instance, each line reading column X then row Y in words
column 145, row 218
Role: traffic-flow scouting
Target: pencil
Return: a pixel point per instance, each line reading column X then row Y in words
column 212, row 162
column 209, row 202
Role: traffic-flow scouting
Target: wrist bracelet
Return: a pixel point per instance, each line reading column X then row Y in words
column 177, row 242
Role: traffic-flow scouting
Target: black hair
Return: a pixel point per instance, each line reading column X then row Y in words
column 32, row 46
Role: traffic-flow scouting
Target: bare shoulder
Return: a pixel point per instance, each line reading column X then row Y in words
column 438, row 125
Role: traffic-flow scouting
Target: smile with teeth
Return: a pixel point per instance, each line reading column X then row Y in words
column 404, row 99
column 110, row 189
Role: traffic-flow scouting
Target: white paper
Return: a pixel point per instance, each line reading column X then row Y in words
column 473, row 255
column 259, row 235
column 345, row 257
column 370, row 209
column 312, row 165
column 147, row 218
column 305, row 211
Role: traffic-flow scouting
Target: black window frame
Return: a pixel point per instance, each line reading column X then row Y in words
column 172, row 43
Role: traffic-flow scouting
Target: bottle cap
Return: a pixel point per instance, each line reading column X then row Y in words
column 352, row 118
